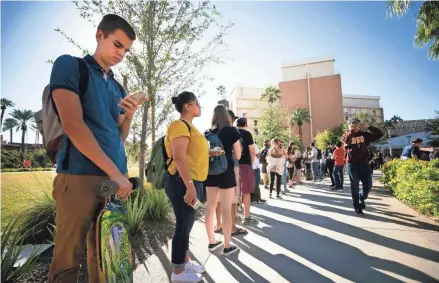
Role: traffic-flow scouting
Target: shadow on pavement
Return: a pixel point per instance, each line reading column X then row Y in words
column 339, row 258
column 371, row 207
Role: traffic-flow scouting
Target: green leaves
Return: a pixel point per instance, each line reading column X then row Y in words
column 11, row 247
column 271, row 95
column 299, row 116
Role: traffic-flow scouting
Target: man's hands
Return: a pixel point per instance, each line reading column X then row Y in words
column 132, row 102
column 125, row 187
column 363, row 125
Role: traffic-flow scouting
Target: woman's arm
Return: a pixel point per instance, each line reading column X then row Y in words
column 179, row 152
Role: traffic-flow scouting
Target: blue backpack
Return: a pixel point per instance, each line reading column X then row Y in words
column 217, row 164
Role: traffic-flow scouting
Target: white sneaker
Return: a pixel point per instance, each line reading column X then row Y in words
column 186, row 277
column 194, row 267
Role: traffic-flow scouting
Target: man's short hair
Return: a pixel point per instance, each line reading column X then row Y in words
column 354, row 121
column 418, row 140
column 111, row 22
column 241, row 122
column 313, row 144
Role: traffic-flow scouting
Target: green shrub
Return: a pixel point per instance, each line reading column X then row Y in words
column 415, row 183
column 11, row 246
column 157, row 205
column 38, row 218
column 10, row 159
column 136, row 206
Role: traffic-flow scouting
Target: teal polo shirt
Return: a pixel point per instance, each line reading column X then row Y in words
column 101, row 113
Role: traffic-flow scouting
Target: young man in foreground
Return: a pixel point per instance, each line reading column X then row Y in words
column 356, row 141
column 95, row 127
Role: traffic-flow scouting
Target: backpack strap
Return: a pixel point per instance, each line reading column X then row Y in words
column 82, row 86
column 165, row 155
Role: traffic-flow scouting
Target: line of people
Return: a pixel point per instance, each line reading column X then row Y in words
column 190, row 175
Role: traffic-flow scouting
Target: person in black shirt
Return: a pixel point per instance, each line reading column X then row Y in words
column 223, row 185
column 246, row 168
column 263, row 160
column 330, row 162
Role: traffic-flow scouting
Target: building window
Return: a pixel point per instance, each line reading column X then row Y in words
column 255, row 123
column 346, row 118
column 256, row 132
column 354, row 111
column 244, row 114
column 346, row 111
column 374, row 112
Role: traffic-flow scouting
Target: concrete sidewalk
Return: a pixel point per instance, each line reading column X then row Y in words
column 313, row 235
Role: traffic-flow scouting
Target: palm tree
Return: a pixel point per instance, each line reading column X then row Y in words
column 270, row 94
column 395, row 119
column 9, row 125
column 427, row 23
column 5, row 104
column 221, row 91
column 388, row 125
column 299, row 116
column 366, row 117
column 24, row 119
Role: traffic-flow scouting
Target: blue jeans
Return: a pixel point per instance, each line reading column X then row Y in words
column 359, row 172
column 284, row 177
column 315, row 170
column 338, row 176
column 184, row 216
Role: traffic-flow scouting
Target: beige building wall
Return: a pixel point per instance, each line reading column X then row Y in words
column 353, row 104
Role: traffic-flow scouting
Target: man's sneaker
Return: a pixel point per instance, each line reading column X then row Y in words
column 278, row 196
column 262, row 200
column 271, row 196
column 231, row 250
column 359, row 211
column 266, row 187
column 213, row 247
column 186, row 276
column 192, row 266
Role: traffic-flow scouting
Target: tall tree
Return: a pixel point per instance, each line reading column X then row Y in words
column 270, row 95
column 24, row 119
column 388, row 126
column 396, row 119
column 366, row 117
column 221, row 91
column 176, row 42
column 427, row 23
column 433, row 128
column 272, row 124
column 298, row 117
column 9, row 125
column 5, row 104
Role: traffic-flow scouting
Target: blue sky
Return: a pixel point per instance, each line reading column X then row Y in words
column 375, row 55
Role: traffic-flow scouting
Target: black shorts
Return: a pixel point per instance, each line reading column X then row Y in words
column 264, row 168
column 298, row 163
column 226, row 180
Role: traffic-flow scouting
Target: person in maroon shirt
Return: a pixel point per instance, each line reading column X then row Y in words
column 356, row 141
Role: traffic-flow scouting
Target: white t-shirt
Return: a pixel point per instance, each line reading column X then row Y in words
column 314, row 155
column 256, row 164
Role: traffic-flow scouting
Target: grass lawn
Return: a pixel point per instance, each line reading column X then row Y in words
column 18, row 190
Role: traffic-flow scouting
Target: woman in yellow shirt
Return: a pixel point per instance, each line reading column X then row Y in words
column 183, row 182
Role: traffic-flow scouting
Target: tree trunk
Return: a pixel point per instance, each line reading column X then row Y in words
column 390, row 143
column 300, row 133
column 23, row 148
column 3, row 113
column 143, row 143
column 10, row 132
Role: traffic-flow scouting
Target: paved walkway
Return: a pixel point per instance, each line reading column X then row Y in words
column 313, row 235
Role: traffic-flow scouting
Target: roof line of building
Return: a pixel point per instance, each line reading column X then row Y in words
column 308, row 61
column 361, row 96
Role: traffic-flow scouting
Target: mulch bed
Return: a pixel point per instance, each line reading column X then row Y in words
column 153, row 236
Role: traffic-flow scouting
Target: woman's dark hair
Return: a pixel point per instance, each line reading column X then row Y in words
column 338, row 144
column 111, row 22
column 183, row 98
